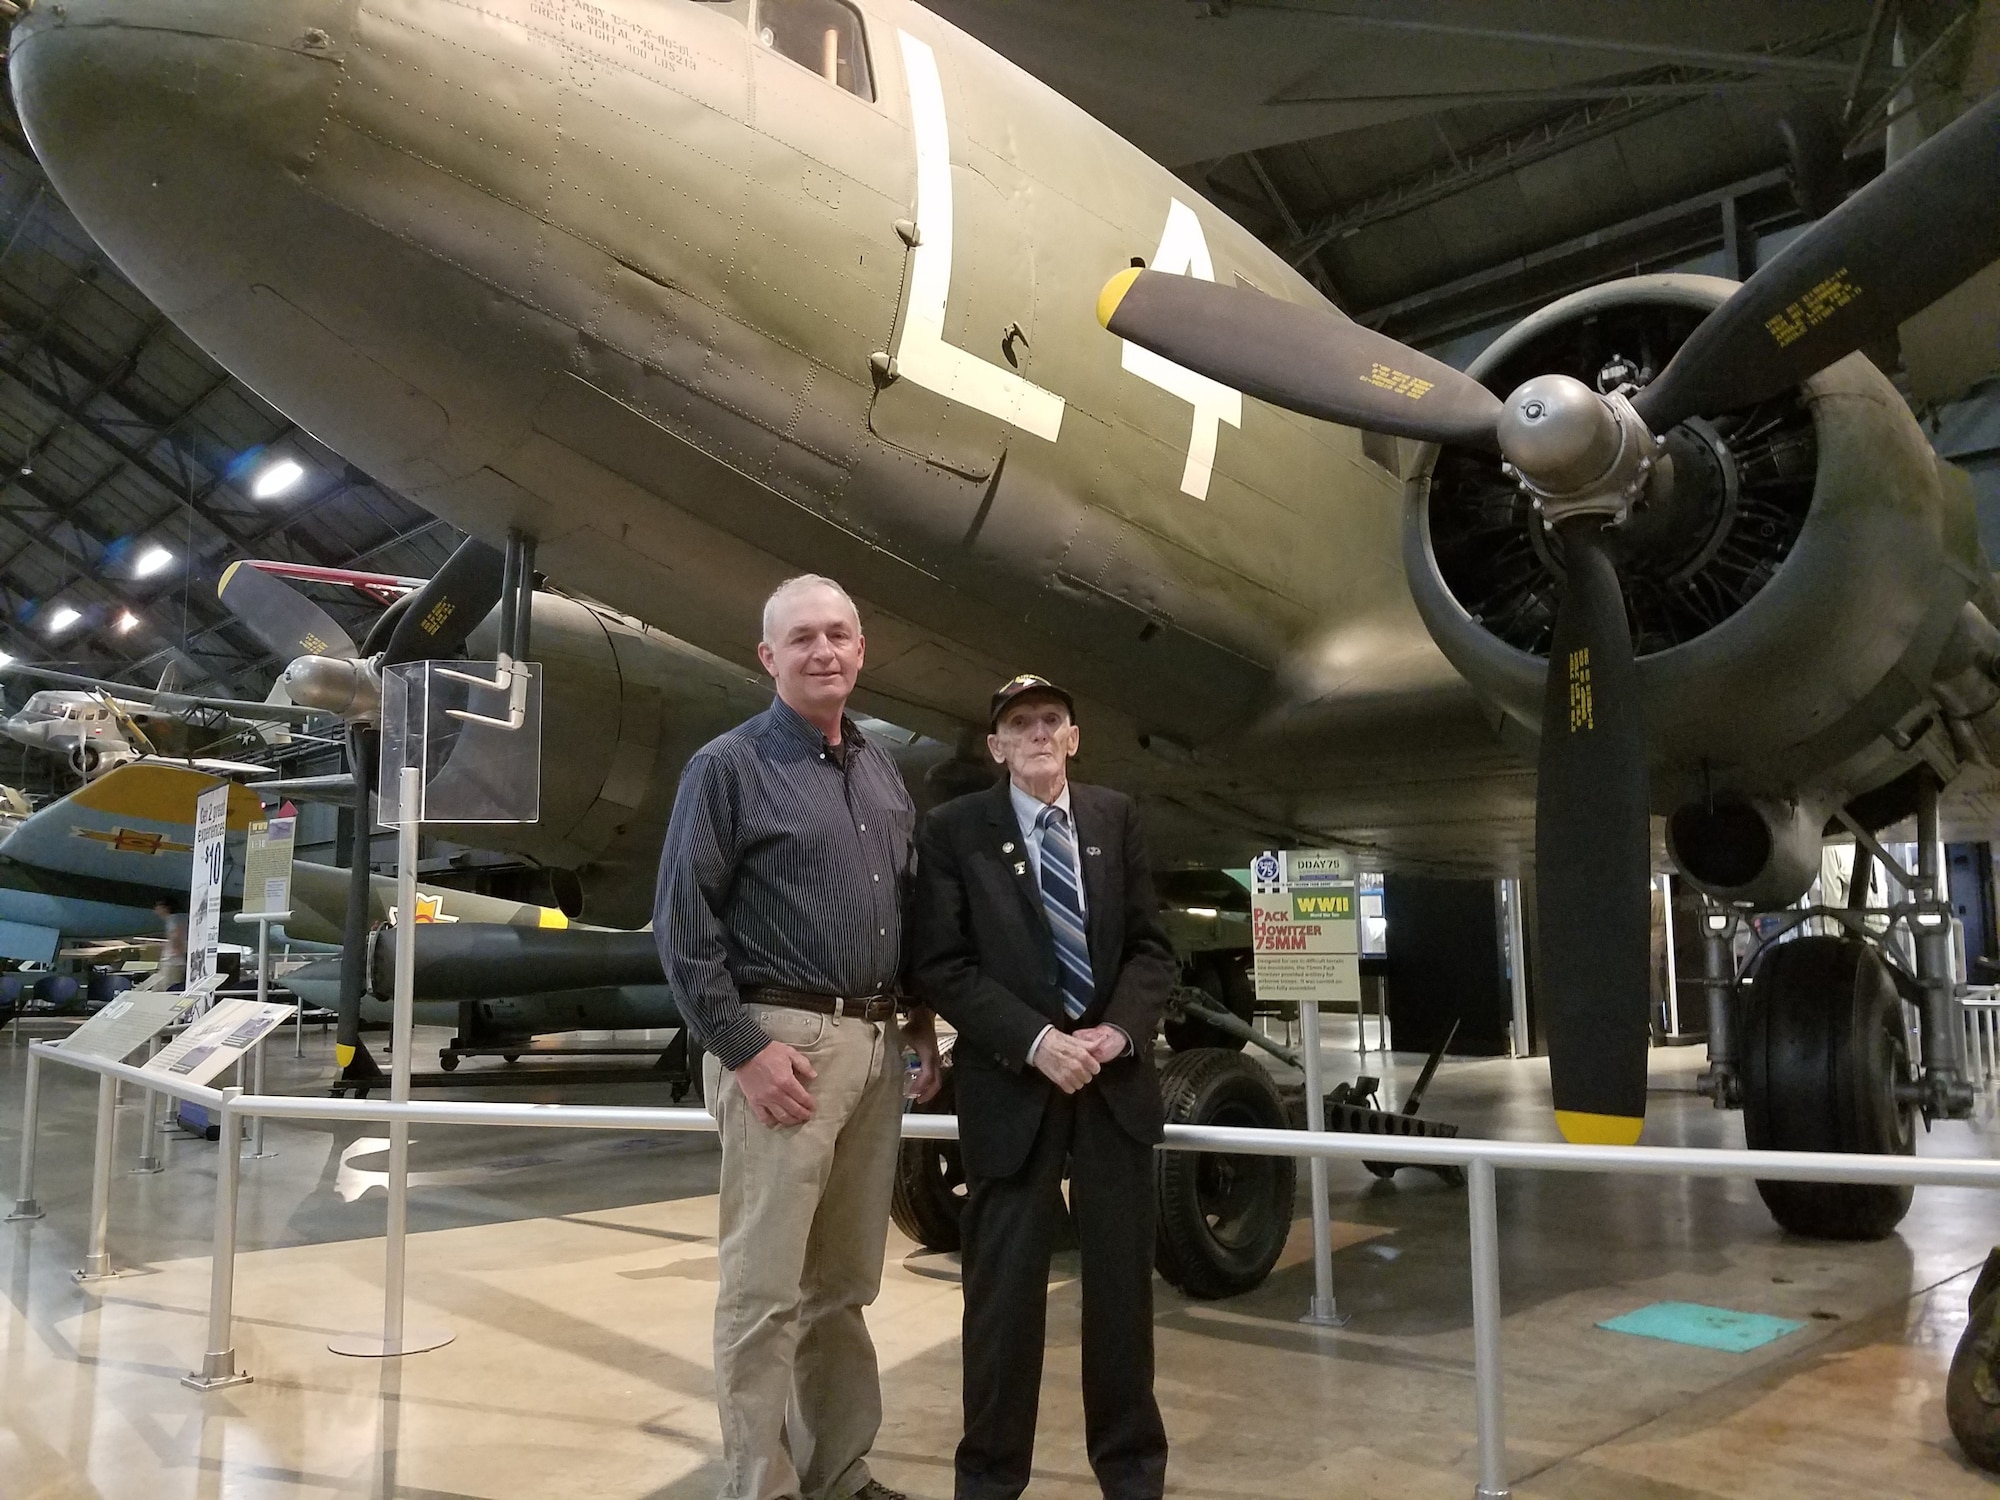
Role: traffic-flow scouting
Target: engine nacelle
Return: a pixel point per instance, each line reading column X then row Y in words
column 1791, row 591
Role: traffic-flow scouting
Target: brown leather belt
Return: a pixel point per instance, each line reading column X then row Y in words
column 877, row 1007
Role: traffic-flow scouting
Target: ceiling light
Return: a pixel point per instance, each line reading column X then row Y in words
column 154, row 559
column 275, row 478
column 127, row 622
column 62, row 619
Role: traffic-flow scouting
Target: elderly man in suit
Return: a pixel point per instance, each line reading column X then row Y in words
column 1036, row 934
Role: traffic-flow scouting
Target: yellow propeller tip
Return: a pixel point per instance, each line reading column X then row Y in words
column 342, row 1055
column 1114, row 293
column 1582, row 1129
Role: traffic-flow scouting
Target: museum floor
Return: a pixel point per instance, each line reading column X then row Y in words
column 576, row 1272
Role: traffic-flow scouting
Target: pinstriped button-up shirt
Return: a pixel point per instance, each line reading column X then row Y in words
column 785, row 863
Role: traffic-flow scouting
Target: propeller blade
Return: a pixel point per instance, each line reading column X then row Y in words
column 1888, row 252
column 280, row 616
column 1306, row 359
column 351, row 1057
column 437, row 618
column 1593, row 854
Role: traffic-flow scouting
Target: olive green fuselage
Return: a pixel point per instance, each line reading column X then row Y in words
column 698, row 319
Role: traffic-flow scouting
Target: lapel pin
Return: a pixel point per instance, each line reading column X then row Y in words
column 1020, row 867
column 1006, row 848
column 1092, row 849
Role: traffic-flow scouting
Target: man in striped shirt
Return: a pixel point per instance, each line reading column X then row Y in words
column 779, row 917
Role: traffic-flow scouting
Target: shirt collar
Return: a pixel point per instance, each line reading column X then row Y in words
column 789, row 722
column 1028, row 808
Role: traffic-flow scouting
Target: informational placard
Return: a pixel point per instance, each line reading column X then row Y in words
column 1304, row 931
column 267, row 865
column 218, row 1039
column 122, row 1026
column 211, row 828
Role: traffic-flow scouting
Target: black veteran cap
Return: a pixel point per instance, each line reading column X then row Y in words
column 1021, row 687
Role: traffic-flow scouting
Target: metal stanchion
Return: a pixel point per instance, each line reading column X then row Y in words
column 1322, row 1310
column 25, row 1206
column 1492, row 1416
column 263, row 919
column 97, row 1260
column 149, row 1134
column 218, row 1365
column 396, row 1339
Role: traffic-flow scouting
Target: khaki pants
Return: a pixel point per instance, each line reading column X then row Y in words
column 802, row 1230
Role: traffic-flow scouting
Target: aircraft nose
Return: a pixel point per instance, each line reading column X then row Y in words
column 172, row 128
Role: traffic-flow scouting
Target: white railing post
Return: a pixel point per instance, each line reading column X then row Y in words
column 97, row 1259
column 150, row 1133
column 25, row 1206
column 1322, row 1310
column 1491, row 1408
column 218, row 1365
column 396, row 1339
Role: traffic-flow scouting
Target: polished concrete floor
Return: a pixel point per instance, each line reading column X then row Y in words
column 576, row 1273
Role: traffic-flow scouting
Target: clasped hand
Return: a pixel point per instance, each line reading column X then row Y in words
column 1069, row 1060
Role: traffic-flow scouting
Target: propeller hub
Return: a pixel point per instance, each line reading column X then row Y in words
column 1575, row 451
column 336, row 684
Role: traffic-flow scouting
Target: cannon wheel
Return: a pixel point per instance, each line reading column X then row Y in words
column 1825, row 1046
column 929, row 1193
column 1223, row 1220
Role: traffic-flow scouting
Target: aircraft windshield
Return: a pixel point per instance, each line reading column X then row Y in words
column 824, row 35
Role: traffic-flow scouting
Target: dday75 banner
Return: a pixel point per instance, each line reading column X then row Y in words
column 1304, row 926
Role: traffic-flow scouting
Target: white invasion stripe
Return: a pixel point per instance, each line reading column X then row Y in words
column 1184, row 252
column 922, row 354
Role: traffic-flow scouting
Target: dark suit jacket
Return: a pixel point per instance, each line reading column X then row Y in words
column 982, row 954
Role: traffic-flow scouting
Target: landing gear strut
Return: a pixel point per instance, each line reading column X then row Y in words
column 1814, row 1040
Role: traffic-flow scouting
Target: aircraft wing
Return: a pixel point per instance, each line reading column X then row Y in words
column 134, row 824
column 168, row 702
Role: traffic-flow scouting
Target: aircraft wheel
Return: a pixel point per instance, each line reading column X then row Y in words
column 929, row 1194
column 510, row 1057
column 1223, row 1220
column 1824, row 1048
column 448, row 1061
column 1225, row 977
column 1972, row 1389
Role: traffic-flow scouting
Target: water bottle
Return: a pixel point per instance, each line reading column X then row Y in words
column 913, row 1071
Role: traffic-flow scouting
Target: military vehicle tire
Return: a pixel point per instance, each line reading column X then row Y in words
column 1824, row 1046
column 1223, row 1220
column 1972, row 1389
column 929, row 1192
column 1224, row 976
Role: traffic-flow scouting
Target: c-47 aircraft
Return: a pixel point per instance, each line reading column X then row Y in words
column 703, row 293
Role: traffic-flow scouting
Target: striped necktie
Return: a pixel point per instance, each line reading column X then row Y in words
column 1063, row 901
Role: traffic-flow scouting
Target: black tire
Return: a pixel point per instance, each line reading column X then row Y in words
column 1972, row 1389
column 1223, row 1220
column 1824, row 1047
column 929, row 1194
column 448, row 1061
column 1225, row 977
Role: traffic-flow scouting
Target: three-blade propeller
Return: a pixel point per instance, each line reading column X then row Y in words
column 1892, row 249
column 433, row 622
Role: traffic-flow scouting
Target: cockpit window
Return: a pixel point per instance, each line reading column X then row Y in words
column 824, row 35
